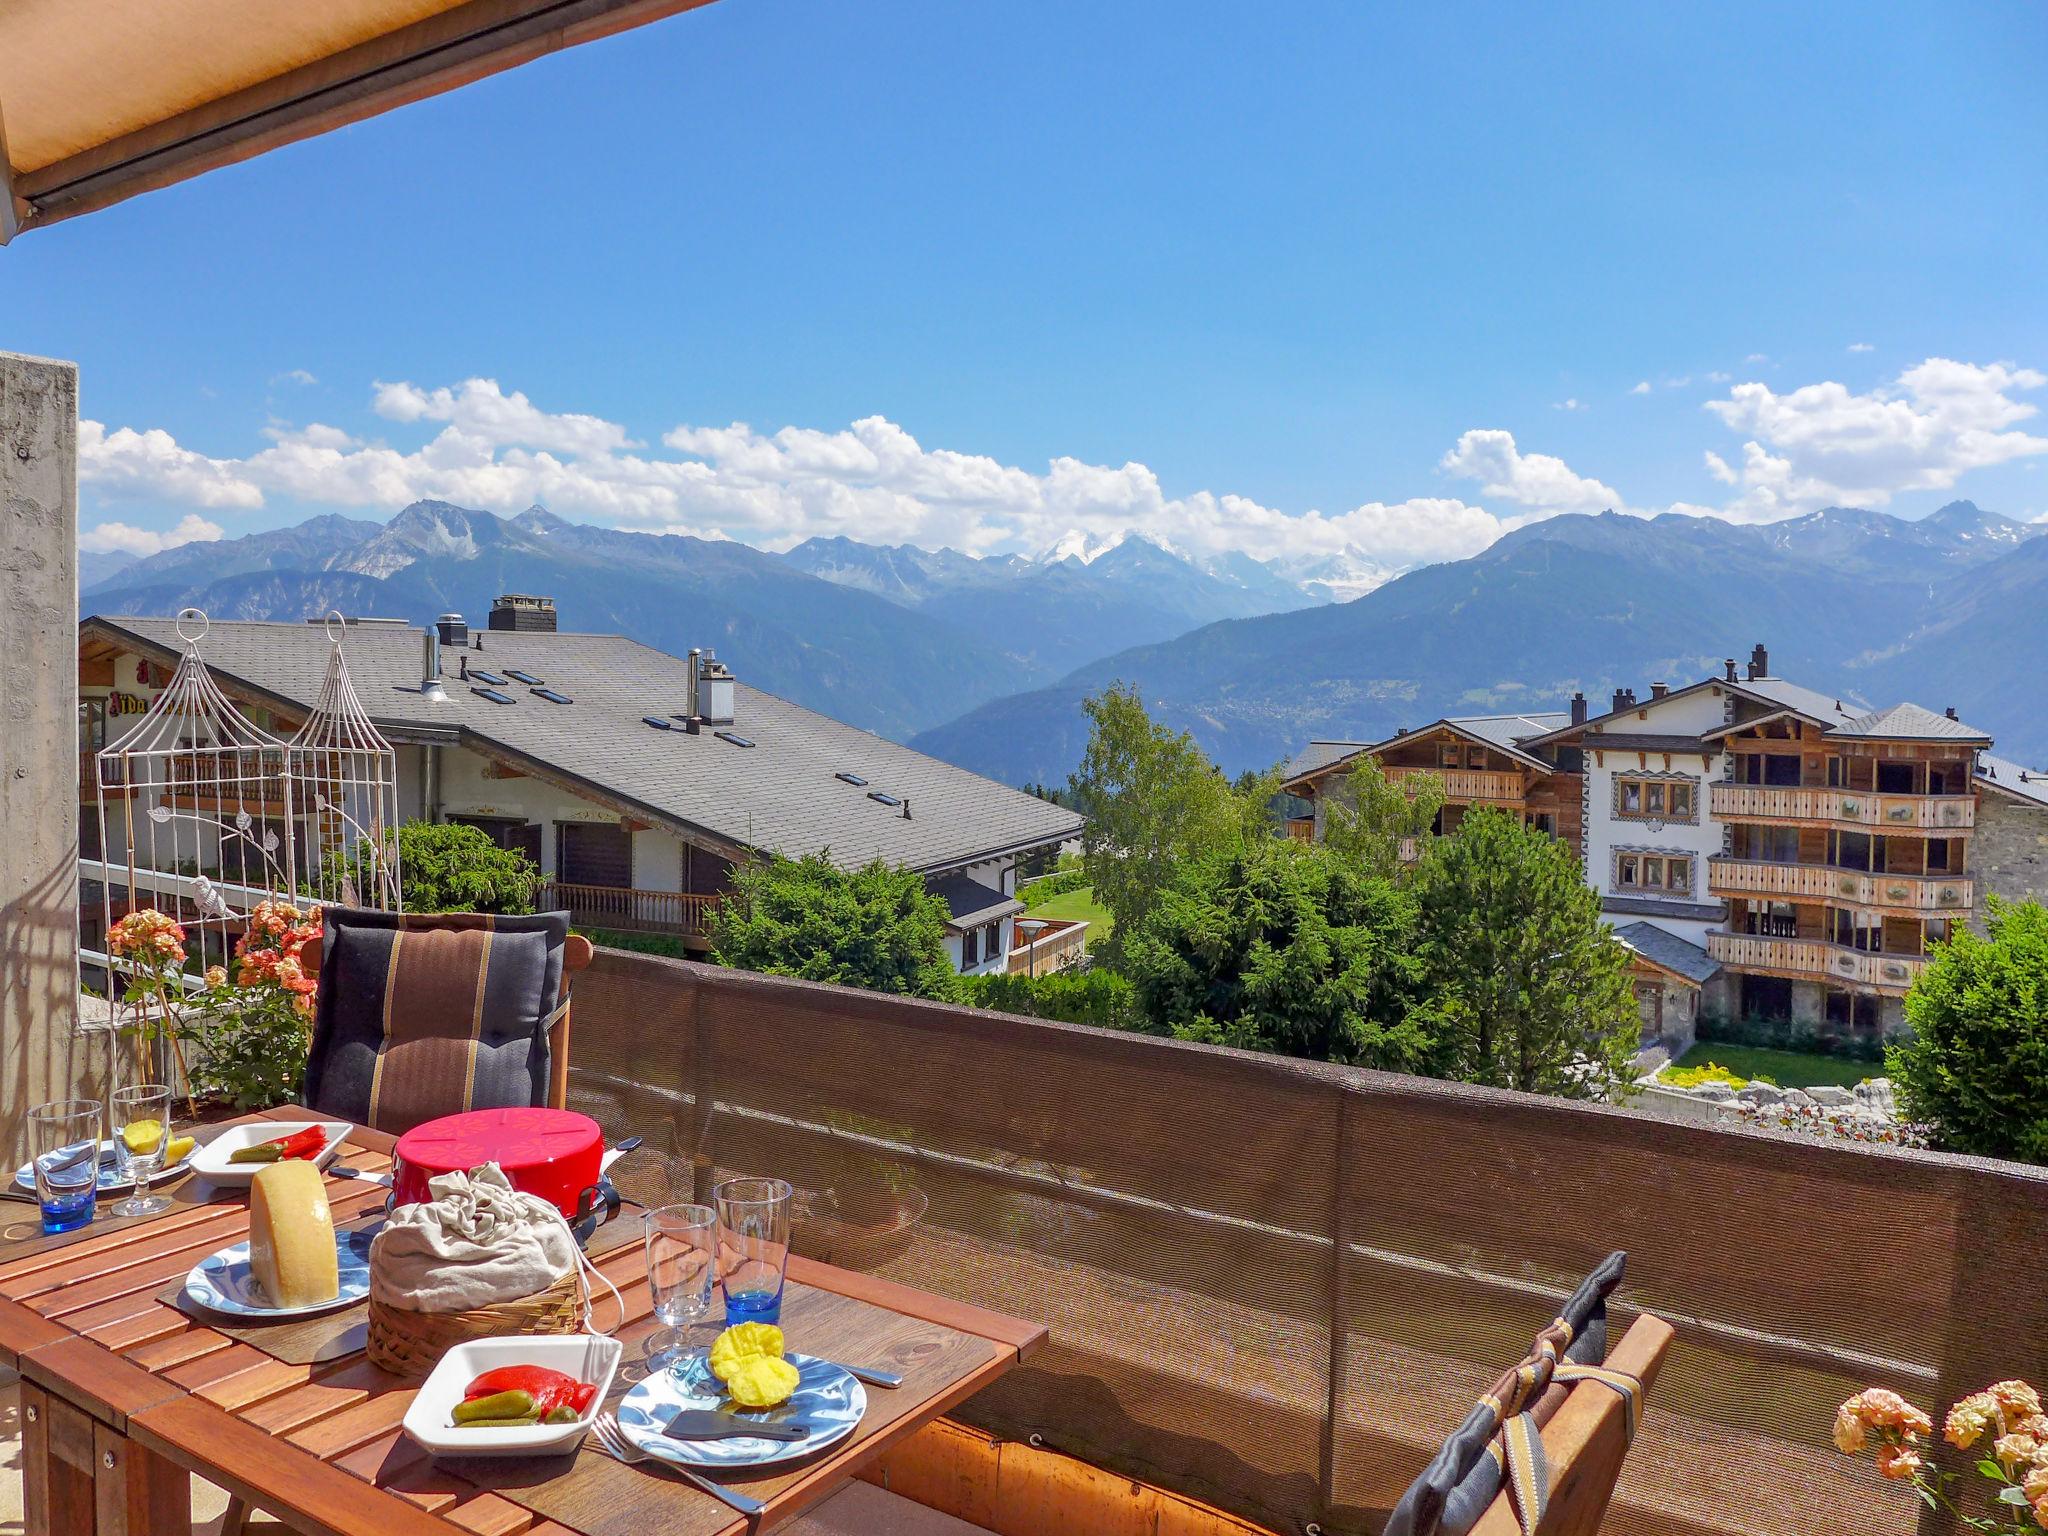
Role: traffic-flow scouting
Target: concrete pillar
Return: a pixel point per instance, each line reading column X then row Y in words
column 1809, row 1004
column 41, row 1055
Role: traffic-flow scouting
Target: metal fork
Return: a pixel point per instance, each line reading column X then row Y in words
column 612, row 1440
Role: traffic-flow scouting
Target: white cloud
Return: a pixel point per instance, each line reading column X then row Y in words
column 1567, row 405
column 1825, row 444
column 1536, row 480
column 1719, row 377
column 130, row 463
column 1861, row 346
column 479, row 409
column 1756, row 357
column 1679, row 382
column 1642, row 387
column 191, row 529
column 294, row 376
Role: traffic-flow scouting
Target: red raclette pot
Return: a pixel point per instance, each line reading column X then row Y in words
column 553, row 1153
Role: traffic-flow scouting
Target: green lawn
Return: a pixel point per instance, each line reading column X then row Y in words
column 1078, row 904
column 1788, row 1069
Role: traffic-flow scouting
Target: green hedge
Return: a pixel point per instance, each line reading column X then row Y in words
column 1038, row 892
column 1784, row 1035
column 1092, row 996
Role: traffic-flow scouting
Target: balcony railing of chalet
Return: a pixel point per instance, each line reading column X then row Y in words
column 93, row 777
column 1844, row 807
column 1816, row 958
column 628, row 910
column 1302, row 828
column 1824, row 882
column 1469, row 783
column 1276, row 1285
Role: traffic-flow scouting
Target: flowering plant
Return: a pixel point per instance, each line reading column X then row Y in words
column 1814, row 1120
column 153, row 945
column 2008, row 1415
column 261, row 1018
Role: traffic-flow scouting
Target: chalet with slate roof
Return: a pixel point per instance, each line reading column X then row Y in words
column 634, row 779
column 1767, row 850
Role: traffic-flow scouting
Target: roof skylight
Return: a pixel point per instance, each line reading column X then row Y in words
column 881, row 799
column 552, row 697
column 528, row 678
column 492, row 678
column 734, row 737
column 851, row 778
column 658, row 723
column 492, row 694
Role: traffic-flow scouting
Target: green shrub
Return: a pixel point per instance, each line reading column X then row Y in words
column 1785, row 1035
column 1061, row 881
column 1978, row 1058
column 875, row 927
column 1074, row 997
column 638, row 943
column 1713, row 1072
column 442, row 867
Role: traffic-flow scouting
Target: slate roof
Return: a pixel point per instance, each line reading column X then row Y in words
column 971, row 902
column 1776, row 690
column 1909, row 722
column 1505, row 732
column 2030, row 784
column 779, row 795
column 1653, row 906
column 1670, row 951
column 1318, row 755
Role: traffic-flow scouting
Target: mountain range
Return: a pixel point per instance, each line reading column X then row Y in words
column 1949, row 610
column 985, row 661
column 892, row 639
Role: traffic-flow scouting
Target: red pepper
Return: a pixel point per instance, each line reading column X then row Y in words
column 549, row 1389
column 309, row 1143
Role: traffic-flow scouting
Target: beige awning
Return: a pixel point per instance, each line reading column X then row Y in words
column 102, row 99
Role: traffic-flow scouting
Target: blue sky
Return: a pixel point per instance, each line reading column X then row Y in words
column 1299, row 278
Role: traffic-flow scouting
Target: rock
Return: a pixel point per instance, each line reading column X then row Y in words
column 1760, row 1093
column 1715, row 1093
column 1831, row 1096
column 1796, row 1098
column 1876, row 1092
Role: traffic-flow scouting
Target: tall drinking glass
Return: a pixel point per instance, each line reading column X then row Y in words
column 753, row 1217
column 141, row 1118
column 64, row 1145
column 682, row 1266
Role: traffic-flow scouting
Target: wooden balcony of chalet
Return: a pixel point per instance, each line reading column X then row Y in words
column 1470, row 786
column 1816, row 960
column 1818, row 805
column 625, row 909
column 1908, row 894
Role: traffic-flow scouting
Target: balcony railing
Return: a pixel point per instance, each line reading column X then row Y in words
column 628, row 910
column 1276, row 1285
column 1468, row 784
column 1854, row 887
column 1844, row 807
column 1302, row 828
column 1816, row 959
column 1061, row 943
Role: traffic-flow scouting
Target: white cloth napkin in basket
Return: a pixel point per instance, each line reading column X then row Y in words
column 476, row 1242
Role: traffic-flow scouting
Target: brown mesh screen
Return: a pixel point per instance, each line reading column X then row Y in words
column 1189, row 1221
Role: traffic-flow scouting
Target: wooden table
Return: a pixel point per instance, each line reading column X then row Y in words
column 123, row 1395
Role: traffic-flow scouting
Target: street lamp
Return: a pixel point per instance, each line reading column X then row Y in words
column 1031, row 928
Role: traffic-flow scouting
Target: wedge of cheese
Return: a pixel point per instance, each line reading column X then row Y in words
column 291, row 1236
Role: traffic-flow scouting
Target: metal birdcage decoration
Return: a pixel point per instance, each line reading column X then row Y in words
column 204, row 815
column 345, row 778
column 195, row 822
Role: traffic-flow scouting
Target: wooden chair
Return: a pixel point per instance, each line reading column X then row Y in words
column 1586, row 1440
column 576, row 956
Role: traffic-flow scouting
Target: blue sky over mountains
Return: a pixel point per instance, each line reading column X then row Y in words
column 982, row 276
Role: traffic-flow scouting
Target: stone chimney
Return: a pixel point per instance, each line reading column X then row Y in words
column 1951, row 713
column 1624, row 698
column 1759, row 662
column 523, row 612
column 714, row 690
column 453, row 629
column 1730, row 665
column 1658, row 690
column 1579, row 708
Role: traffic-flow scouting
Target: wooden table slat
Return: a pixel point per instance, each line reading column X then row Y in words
column 175, row 1349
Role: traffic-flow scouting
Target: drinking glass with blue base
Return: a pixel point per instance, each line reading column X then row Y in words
column 753, row 1219
column 64, row 1143
column 682, row 1268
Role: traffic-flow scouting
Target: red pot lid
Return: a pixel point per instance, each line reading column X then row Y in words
column 511, row 1138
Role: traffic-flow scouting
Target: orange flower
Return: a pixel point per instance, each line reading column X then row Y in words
column 2015, row 1450
column 1897, row 1461
column 1969, row 1419
column 2015, row 1399
column 216, row 976
column 1850, row 1433
column 2035, row 1484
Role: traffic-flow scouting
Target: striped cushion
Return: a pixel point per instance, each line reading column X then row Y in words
column 1465, row 1476
column 428, row 1014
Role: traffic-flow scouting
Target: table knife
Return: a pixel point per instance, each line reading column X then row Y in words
column 711, row 1424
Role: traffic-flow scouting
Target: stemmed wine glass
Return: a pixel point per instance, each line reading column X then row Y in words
column 141, row 1122
column 682, row 1272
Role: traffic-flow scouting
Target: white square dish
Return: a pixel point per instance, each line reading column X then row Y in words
column 430, row 1420
column 211, row 1163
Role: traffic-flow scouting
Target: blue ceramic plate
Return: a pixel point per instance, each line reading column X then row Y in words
column 113, row 1172
column 827, row 1405
column 224, row 1282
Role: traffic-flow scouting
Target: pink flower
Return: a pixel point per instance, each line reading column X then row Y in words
column 1850, row 1434
column 2015, row 1399
column 216, row 976
column 1896, row 1461
column 1969, row 1419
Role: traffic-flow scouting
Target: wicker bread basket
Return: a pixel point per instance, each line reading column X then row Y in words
column 412, row 1343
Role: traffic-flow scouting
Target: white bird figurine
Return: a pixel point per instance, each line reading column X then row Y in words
column 211, row 902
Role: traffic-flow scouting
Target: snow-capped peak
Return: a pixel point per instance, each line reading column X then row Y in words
column 1079, row 544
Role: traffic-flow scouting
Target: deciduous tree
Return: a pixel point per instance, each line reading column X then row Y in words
column 1370, row 818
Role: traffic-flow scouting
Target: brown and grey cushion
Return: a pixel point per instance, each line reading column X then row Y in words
column 1501, row 1439
column 428, row 1014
